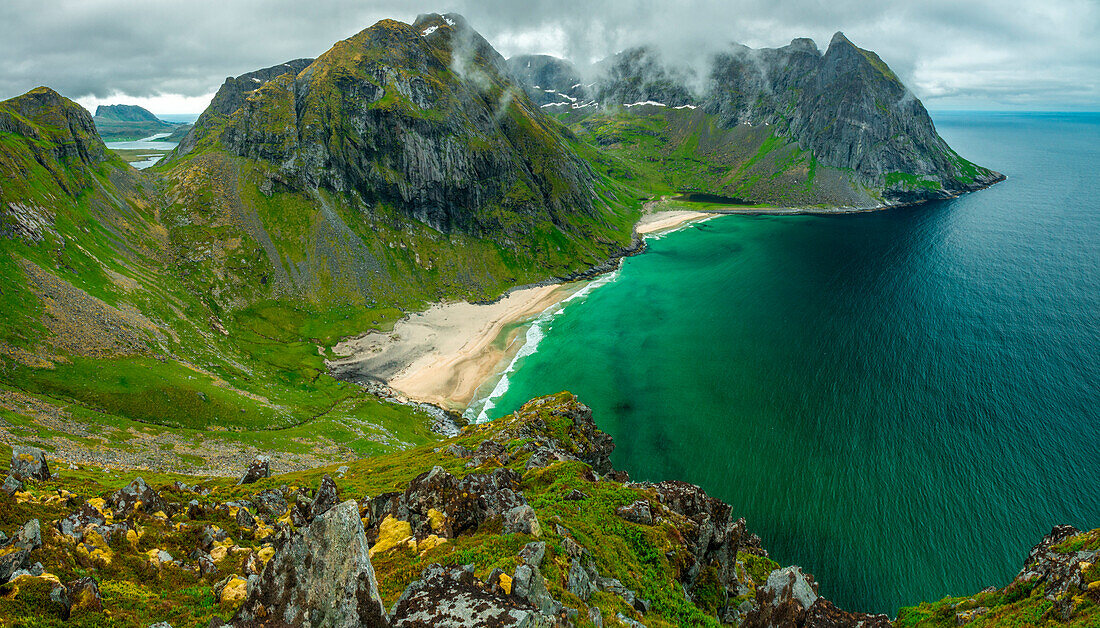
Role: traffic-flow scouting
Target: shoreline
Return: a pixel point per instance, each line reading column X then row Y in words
column 445, row 354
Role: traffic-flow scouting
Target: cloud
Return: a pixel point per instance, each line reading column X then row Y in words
column 175, row 53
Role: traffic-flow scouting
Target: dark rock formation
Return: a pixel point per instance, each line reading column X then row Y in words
column 789, row 599
column 258, row 469
column 325, row 498
column 136, row 495
column 550, row 82
column 1061, row 572
column 83, row 595
column 321, row 576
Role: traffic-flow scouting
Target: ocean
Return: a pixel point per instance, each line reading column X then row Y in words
column 902, row 402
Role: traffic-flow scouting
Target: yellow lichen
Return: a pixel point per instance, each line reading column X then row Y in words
column 391, row 534
column 431, row 542
column 436, row 519
column 506, row 583
column 234, row 591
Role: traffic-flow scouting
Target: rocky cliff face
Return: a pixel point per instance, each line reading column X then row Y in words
column 424, row 118
column 550, row 82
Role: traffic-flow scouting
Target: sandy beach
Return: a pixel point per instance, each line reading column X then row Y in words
column 656, row 222
column 442, row 355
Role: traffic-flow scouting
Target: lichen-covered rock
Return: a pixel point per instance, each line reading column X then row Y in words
column 453, row 598
column 137, row 494
column 258, row 469
column 29, row 537
column 1060, row 571
column 270, row 505
column 522, row 520
column 321, row 575
column 28, row 463
column 84, row 595
column 437, row 503
column 581, row 580
column 636, row 512
column 12, row 562
column 11, row 485
column 325, row 498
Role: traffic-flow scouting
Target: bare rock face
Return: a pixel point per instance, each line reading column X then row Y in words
column 452, row 598
column 636, row 512
column 28, row 463
column 320, row 576
column 325, row 498
column 258, row 469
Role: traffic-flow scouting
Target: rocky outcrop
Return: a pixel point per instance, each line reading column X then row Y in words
column 64, row 129
column 1061, row 571
column 454, row 597
column 789, row 599
column 137, row 495
column 28, row 463
column 321, row 576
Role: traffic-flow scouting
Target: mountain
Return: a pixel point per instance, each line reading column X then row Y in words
column 129, row 122
column 549, row 81
column 343, row 175
column 789, row 126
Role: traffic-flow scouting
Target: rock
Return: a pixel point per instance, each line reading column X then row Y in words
column 84, row 517
column 533, row 553
column 11, row 563
column 594, row 617
column 258, row 469
column 84, row 595
column 161, row 624
column 28, row 463
column 575, row 496
column 522, row 520
column 11, row 485
column 450, row 598
column 244, row 519
column 823, row 614
column 270, row 505
column 341, row 470
column 136, row 495
column 1060, row 571
column 789, row 598
column 636, row 512
column 579, row 581
column 438, row 503
column 458, row 451
column 611, row 585
column 324, row 499
column 628, row 622
column 321, row 574
column 29, row 537
column 528, row 585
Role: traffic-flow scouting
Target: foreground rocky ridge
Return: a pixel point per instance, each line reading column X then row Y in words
column 520, row 522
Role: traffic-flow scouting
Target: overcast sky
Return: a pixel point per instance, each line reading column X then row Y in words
column 171, row 55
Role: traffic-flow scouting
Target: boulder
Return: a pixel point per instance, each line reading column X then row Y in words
column 324, row 499
column 789, row 599
column 11, row 485
column 244, row 519
column 454, row 597
column 533, row 553
column 84, row 595
column 83, row 518
column 581, row 580
column 594, row 617
column 258, row 469
column 321, row 575
column 29, row 537
column 11, row 563
column 522, row 520
column 136, row 495
column 270, row 505
column 636, row 512
column 28, row 463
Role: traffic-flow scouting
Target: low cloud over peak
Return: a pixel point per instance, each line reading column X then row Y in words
column 171, row 55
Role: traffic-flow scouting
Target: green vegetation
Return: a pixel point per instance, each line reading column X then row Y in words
column 911, row 181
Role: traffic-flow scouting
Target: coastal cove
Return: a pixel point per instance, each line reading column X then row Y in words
column 899, row 401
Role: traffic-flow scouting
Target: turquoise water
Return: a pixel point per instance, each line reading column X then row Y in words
column 903, row 402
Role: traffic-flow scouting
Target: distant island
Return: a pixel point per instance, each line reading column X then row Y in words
column 131, row 122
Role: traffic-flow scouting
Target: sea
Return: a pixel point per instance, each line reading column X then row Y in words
column 903, row 402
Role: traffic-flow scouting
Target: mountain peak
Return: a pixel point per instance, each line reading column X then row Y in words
column 805, row 44
column 840, row 39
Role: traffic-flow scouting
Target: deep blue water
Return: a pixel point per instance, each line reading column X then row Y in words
column 903, row 402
